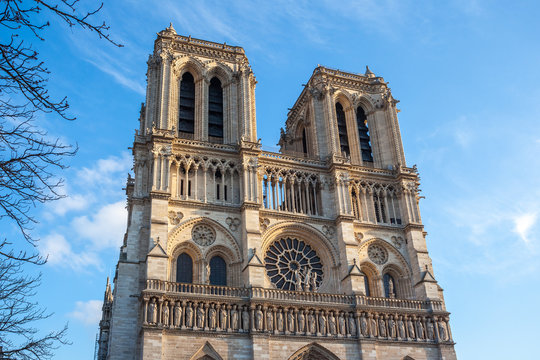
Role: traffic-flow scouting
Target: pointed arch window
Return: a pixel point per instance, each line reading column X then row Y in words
column 304, row 142
column 363, row 135
column 218, row 271
column 184, row 269
column 342, row 130
column 186, row 121
column 366, row 285
column 389, row 286
column 215, row 111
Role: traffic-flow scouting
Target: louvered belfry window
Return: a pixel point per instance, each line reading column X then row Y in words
column 342, row 129
column 363, row 134
column 184, row 269
column 218, row 271
column 215, row 111
column 186, row 121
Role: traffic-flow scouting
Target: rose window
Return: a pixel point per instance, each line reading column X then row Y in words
column 203, row 235
column 292, row 264
column 377, row 254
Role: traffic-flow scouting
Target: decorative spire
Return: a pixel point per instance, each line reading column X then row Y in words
column 108, row 298
column 168, row 31
column 369, row 73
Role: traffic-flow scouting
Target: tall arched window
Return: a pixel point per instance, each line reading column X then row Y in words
column 342, row 129
column 304, row 141
column 215, row 111
column 389, row 286
column 218, row 271
column 366, row 285
column 186, row 120
column 184, row 269
column 363, row 134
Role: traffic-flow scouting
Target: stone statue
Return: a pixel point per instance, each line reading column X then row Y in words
column 391, row 287
column 420, row 329
column 322, row 324
column 301, row 321
column 401, row 329
column 352, row 325
column 298, row 280
column 245, row 320
column 364, row 325
column 152, row 314
column 258, row 319
column 430, row 330
column 410, row 328
column 341, row 322
column 212, row 317
column 269, row 320
column 280, row 320
column 442, row 331
column 373, row 327
column 392, row 327
column 307, row 278
column 234, row 318
column 223, row 317
column 200, row 316
column 208, row 271
column 332, row 324
column 189, row 316
column 313, row 281
column 177, row 315
column 382, row 327
column 311, row 323
column 165, row 314
column 290, row 320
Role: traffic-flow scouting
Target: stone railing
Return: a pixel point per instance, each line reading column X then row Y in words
column 303, row 297
column 257, row 314
column 212, row 44
column 284, row 157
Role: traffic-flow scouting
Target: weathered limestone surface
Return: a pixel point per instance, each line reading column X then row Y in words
column 233, row 252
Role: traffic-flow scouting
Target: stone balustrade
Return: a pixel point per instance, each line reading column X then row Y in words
column 303, row 297
column 256, row 310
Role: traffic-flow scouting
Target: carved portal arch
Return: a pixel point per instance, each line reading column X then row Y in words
column 313, row 351
column 325, row 250
column 206, row 352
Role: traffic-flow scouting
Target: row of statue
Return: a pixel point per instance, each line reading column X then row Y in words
column 245, row 318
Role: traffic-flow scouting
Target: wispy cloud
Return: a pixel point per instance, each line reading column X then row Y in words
column 88, row 312
column 523, row 225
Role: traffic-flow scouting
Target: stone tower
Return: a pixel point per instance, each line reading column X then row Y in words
column 233, row 252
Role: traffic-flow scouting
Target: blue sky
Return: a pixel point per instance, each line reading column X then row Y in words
column 467, row 76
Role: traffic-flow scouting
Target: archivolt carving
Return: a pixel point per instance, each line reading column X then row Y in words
column 220, row 70
column 402, row 263
column 174, row 235
column 313, row 351
column 305, row 232
column 188, row 63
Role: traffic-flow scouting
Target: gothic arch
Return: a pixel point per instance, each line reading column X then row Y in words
column 401, row 264
column 196, row 255
column 373, row 276
column 344, row 98
column 219, row 70
column 174, row 234
column 313, row 351
column 206, row 352
column 366, row 103
column 191, row 64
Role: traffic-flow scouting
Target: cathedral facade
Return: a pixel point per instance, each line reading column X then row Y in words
column 233, row 252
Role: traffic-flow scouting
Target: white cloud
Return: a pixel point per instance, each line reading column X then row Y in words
column 70, row 203
column 106, row 171
column 60, row 253
column 104, row 228
column 523, row 224
column 87, row 312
